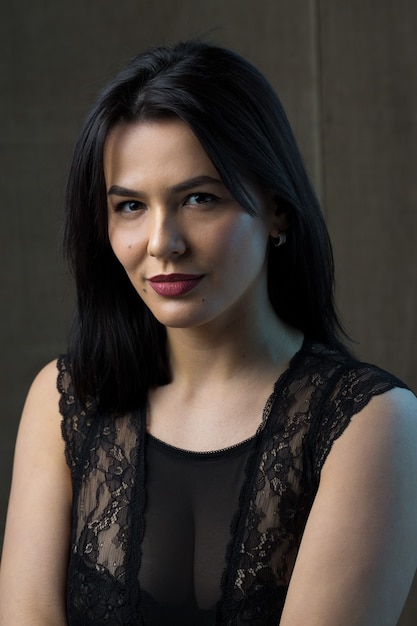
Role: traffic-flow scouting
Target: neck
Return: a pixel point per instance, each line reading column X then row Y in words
column 217, row 353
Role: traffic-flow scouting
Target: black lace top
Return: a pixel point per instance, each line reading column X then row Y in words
column 310, row 407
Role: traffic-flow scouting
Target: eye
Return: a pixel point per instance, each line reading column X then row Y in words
column 201, row 198
column 128, row 206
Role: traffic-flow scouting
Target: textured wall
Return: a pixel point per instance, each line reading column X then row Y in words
column 347, row 77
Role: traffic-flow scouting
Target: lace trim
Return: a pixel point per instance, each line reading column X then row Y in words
column 204, row 454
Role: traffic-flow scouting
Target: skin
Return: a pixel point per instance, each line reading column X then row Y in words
column 225, row 329
column 163, row 220
column 226, row 347
column 359, row 550
column 38, row 521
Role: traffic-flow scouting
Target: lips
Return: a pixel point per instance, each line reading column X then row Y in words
column 171, row 285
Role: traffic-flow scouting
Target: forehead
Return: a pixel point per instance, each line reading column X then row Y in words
column 148, row 150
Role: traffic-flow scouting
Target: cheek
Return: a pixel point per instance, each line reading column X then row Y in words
column 125, row 246
column 237, row 240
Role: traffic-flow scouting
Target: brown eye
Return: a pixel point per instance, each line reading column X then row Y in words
column 201, row 198
column 129, row 206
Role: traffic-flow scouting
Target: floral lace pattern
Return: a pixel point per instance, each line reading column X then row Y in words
column 311, row 405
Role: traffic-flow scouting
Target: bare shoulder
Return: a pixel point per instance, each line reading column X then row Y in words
column 376, row 457
column 388, row 423
column 398, row 404
column 44, row 385
column 39, row 441
column 41, row 492
column 41, row 418
column 360, row 540
column 396, row 413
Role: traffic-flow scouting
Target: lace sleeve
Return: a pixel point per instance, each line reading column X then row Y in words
column 348, row 394
column 76, row 421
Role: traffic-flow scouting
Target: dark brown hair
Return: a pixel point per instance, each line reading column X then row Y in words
column 117, row 347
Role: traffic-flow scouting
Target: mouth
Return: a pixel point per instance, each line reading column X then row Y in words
column 171, row 285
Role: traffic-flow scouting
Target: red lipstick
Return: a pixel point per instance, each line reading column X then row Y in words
column 171, row 285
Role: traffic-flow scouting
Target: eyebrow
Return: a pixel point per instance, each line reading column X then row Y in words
column 186, row 185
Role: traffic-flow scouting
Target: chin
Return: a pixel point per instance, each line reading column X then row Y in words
column 184, row 319
column 179, row 319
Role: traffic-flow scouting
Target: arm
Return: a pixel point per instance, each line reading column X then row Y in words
column 35, row 551
column 359, row 550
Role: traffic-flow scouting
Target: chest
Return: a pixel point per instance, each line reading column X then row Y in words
column 250, row 523
column 207, row 419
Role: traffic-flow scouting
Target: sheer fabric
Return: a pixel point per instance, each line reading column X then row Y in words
column 191, row 498
column 310, row 407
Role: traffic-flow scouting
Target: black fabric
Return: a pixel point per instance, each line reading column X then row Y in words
column 109, row 579
column 191, row 500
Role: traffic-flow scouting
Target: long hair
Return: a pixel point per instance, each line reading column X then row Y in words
column 117, row 347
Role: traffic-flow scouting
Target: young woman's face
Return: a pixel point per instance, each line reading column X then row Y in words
column 193, row 254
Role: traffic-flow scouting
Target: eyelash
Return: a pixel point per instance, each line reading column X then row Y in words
column 208, row 198
column 125, row 204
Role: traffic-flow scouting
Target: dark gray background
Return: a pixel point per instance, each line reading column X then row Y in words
column 346, row 73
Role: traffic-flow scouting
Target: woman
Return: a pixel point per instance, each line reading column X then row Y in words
column 206, row 382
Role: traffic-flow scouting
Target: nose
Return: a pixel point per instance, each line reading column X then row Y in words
column 165, row 235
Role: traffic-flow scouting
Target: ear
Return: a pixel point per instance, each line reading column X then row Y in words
column 280, row 222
